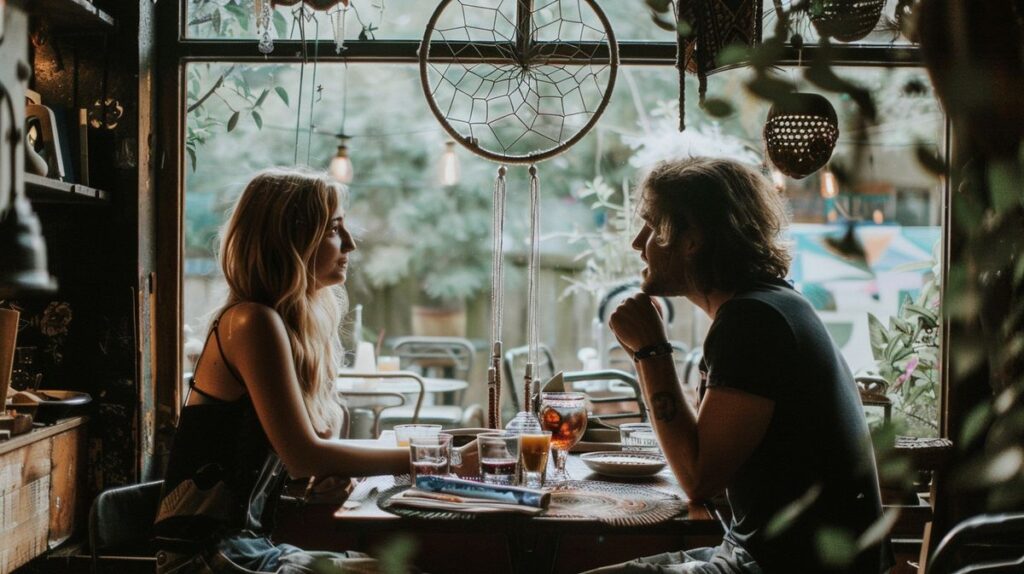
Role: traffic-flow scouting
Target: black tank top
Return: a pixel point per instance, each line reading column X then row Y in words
column 222, row 476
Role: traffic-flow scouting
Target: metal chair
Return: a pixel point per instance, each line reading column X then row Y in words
column 371, row 399
column 447, row 357
column 989, row 543
column 513, row 365
column 439, row 357
column 121, row 527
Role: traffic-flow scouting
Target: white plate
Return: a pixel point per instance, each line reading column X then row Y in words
column 624, row 464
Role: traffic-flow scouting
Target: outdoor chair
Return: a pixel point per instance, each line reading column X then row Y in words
column 513, row 366
column 121, row 528
column 989, row 543
column 375, row 398
column 436, row 357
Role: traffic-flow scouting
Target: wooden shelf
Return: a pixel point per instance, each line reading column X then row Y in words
column 72, row 16
column 45, row 190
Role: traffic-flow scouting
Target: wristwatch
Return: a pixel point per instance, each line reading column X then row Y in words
column 655, row 350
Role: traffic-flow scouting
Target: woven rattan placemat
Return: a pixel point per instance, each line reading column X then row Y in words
column 612, row 503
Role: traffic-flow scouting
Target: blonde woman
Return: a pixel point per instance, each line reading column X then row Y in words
column 261, row 401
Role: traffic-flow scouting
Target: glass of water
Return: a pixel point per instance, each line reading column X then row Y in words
column 639, row 437
column 430, row 455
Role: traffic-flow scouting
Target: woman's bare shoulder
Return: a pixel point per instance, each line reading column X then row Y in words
column 252, row 320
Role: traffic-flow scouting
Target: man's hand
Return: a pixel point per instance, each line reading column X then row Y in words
column 637, row 323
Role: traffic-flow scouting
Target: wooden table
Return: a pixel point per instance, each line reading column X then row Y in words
column 517, row 543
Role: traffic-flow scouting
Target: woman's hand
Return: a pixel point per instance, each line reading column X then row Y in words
column 637, row 323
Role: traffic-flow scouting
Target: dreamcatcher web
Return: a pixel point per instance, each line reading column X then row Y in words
column 518, row 81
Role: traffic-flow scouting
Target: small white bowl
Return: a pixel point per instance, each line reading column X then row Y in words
column 623, row 464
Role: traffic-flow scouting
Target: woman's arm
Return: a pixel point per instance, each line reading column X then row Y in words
column 256, row 344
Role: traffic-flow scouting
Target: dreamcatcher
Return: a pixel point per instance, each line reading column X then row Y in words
column 517, row 82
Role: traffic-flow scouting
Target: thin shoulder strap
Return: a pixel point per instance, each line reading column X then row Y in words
column 216, row 335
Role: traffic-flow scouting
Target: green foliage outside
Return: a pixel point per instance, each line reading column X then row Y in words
column 907, row 354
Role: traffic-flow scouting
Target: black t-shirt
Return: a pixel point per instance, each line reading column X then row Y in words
column 769, row 342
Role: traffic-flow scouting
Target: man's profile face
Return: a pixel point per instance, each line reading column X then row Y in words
column 667, row 270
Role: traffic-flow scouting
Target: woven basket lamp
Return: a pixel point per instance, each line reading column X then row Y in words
column 800, row 134
column 846, row 20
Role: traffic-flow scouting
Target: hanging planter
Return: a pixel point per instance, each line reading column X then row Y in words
column 715, row 24
column 845, row 20
column 800, row 134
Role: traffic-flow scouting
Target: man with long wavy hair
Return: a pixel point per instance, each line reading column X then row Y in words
column 780, row 427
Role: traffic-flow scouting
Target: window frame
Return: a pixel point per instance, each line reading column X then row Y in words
column 175, row 51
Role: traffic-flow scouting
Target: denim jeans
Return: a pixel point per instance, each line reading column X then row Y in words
column 726, row 558
column 248, row 553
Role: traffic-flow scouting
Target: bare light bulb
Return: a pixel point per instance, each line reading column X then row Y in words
column 778, row 180
column 878, row 217
column 829, row 185
column 449, row 165
column 341, row 166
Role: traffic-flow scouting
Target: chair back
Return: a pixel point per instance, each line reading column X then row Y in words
column 623, row 379
column 988, row 543
column 121, row 520
column 514, row 369
column 441, row 357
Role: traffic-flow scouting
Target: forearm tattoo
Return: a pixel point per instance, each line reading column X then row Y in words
column 664, row 406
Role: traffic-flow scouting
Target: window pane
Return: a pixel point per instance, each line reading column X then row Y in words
column 424, row 243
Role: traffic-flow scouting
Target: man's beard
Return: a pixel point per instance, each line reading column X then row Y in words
column 668, row 285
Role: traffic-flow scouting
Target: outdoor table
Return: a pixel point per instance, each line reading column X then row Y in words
column 514, row 542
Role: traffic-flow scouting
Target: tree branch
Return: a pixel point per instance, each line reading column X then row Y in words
column 206, row 96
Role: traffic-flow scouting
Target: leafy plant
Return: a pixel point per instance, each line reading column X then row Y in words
column 440, row 236
column 907, row 355
column 609, row 257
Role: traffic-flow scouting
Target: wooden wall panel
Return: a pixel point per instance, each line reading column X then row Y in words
column 24, row 504
column 67, row 456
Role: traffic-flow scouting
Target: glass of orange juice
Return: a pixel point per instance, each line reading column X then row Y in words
column 533, row 456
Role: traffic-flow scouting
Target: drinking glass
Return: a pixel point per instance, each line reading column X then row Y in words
column 638, row 437
column 387, row 363
column 565, row 415
column 499, row 453
column 430, row 455
column 404, row 432
column 533, row 456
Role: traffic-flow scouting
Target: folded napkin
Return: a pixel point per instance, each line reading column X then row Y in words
column 469, row 489
column 426, row 500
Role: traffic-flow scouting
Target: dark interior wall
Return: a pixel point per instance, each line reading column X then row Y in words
column 87, row 334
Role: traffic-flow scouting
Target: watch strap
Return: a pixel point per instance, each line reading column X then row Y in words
column 655, row 350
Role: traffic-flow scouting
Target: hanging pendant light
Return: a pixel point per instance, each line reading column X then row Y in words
column 448, row 167
column 829, row 184
column 341, row 165
column 801, row 133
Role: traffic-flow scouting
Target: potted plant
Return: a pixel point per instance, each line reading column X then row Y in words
column 440, row 237
column 907, row 356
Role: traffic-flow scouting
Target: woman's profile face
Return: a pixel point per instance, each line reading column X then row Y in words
column 330, row 264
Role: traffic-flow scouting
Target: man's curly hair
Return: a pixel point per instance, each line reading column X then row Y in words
column 738, row 214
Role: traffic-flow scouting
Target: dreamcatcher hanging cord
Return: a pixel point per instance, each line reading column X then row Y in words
column 494, row 374
column 533, row 332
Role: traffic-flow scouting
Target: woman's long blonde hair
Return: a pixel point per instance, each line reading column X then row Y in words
column 268, row 246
